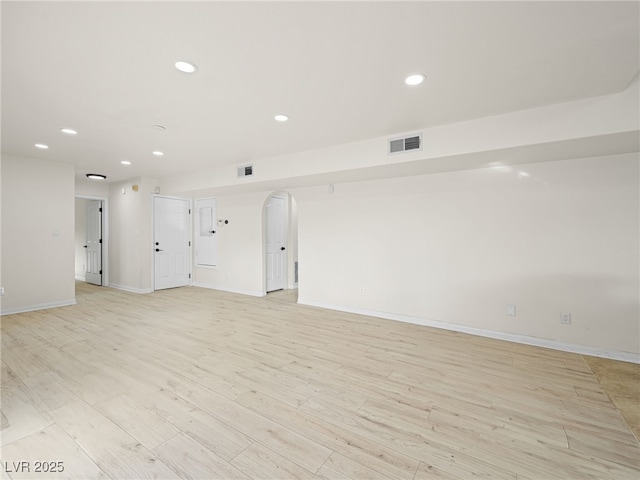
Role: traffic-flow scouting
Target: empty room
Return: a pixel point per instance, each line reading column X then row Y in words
column 320, row 240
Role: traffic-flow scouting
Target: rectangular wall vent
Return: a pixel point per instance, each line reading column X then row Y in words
column 245, row 171
column 405, row 144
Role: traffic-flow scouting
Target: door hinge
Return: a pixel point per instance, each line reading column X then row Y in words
column 189, row 211
column 189, row 275
column 189, row 243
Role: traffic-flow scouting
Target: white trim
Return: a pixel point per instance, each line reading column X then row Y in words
column 42, row 306
column 81, row 278
column 131, row 289
column 510, row 337
column 253, row 293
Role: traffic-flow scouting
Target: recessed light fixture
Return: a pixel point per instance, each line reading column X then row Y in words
column 125, row 162
column 415, row 79
column 68, row 131
column 96, row 176
column 281, row 117
column 42, row 146
column 186, row 67
column 158, row 153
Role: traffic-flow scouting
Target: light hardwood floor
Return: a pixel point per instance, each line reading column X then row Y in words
column 621, row 381
column 194, row 383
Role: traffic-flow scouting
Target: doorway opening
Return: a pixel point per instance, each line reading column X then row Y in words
column 91, row 240
column 280, row 246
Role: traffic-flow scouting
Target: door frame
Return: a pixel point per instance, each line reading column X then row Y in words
column 105, row 235
column 153, row 237
column 288, row 226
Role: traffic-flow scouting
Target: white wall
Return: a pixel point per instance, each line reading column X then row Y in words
column 37, row 234
column 146, row 254
column 80, row 238
column 92, row 188
column 240, row 246
column 130, row 235
column 292, row 242
column 456, row 248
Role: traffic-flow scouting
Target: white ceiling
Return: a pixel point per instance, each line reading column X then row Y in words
column 337, row 69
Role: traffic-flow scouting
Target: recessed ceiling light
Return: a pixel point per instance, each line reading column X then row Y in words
column 186, row 67
column 158, row 153
column 281, row 117
column 68, row 131
column 42, row 146
column 415, row 79
column 96, row 176
column 125, row 162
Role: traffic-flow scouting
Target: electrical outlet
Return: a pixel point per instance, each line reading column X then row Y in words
column 511, row 310
column 1, row 290
column 361, row 290
column 565, row 318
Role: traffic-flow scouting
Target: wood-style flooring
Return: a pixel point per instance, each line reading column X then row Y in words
column 195, row 383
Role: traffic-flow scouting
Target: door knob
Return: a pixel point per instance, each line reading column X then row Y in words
column 159, row 250
column 84, row 246
column 281, row 248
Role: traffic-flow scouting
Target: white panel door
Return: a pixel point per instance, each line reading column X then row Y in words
column 93, row 213
column 206, row 232
column 172, row 240
column 276, row 257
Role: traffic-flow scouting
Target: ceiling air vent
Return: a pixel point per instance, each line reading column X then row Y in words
column 245, row 171
column 405, row 144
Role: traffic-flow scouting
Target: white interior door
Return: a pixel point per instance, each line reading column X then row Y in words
column 172, row 238
column 93, row 246
column 276, row 257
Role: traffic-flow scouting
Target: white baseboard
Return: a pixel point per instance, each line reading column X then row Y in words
column 510, row 337
column 80, row 278
column 41, row 306
column 131, row 289
column 253, row 293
